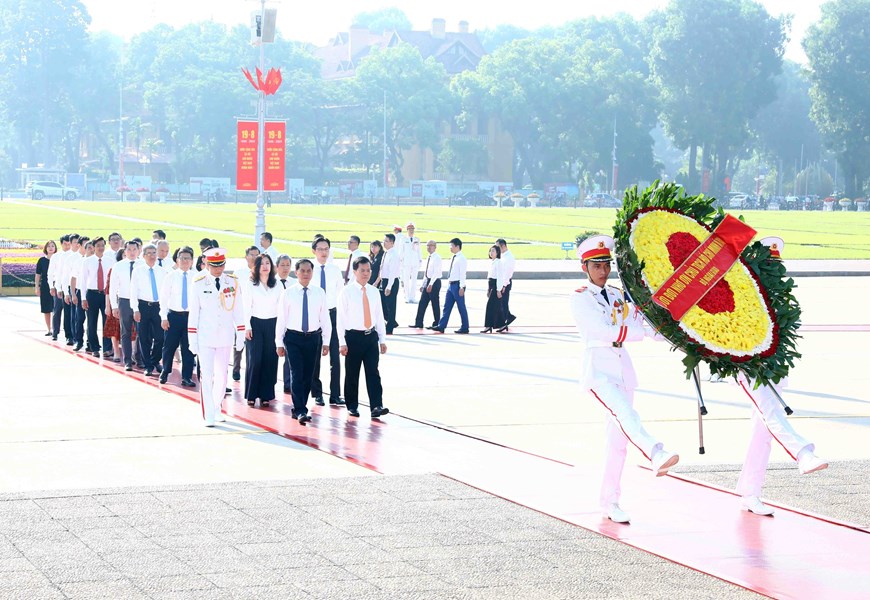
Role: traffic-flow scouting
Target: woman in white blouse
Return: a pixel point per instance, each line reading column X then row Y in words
column 493, row 318
column 261, row 299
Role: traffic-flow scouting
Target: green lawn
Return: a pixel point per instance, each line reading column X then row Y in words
column 532, row 233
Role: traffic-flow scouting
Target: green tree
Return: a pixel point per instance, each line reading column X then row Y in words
column 417, row 100
column 385, row 19
column 42, row 45
column 839, row 66
column 463, row 158
column 713, row 63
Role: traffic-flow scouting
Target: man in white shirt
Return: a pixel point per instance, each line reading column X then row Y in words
column 362, row 339
column 175, row 293
column 71, row 297
column 328, row 277
column 119, row 290
column 410, row 253
column 267, row 247
column 455, row 289
column 301, row 334
column 145, row 300
column 431, row 289
column 163, row 259
column 508, row 263
column 61, row 308
column 283, row 265
column 115, row 243
column 353, row 243
column 390, row 272
column 94, row 274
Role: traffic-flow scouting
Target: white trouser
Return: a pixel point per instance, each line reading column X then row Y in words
column 768, row 423
column 409, row 280
column 623, row 426
column 213, row 365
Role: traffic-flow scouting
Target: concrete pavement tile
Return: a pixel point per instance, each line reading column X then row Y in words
column 383, row 569
column 148, row 563
column 103, row 590
column 284, row 592
column 306, row 560
column 32, row 592
column 365, row 555
column 408, row 583
column 243, row 536
column 19, row 508
column 16, row 564
column 326, row 588
column 58, row 574
column 12, row 579
column 78, row 524
column 209, row 594
column 396, row 542
column 193, row 540
column 265, row 577
column 215, row 560
column 172, row 583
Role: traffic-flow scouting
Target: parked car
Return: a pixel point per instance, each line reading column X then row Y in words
column 474, row 199
column 601, row 199
column 50, row 189
column 738, row 201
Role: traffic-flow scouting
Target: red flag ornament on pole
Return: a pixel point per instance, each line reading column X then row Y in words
column 269, row 85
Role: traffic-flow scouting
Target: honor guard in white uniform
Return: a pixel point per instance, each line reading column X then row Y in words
column 410, row 263
column 215, row 323
column 606, row 321
column 769, row 423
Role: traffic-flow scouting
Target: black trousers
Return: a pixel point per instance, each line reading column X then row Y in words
column 435, row 298
column 77, row 319
column 96, row 310
column 150, row 333
column 334, row 366
column 505, row 303
column 61, row 310
column 302, row 351
column 494, row 316
column 174, row 337
column 261, row 362
column 389, row 303
column 362, row 351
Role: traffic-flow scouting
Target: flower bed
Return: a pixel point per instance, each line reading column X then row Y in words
column 18, row 267
column 746, row 323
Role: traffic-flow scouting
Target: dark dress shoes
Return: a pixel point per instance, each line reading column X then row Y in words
column 303, row 419
column 319, row 401
column 336, row 401
column 149, row 372
column 380, row 412
column 164, row 377
column 78, row 347
column 461, row 331
column 187, row 383
column 128, row 367
column 237, row 375
column 353, row 413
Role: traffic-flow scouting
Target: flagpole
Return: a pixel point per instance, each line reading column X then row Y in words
column 260, row 222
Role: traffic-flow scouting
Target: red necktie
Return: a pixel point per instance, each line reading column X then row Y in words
column 100, row 281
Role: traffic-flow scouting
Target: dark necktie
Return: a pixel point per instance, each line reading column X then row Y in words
column 450, row 270
column 217, row 283
column 347, row 273
column 284, row 283
column 305, row 310
column 426, row 272
column 604, row 295
column 323, row 277
column 131, row 269
column 160, row 262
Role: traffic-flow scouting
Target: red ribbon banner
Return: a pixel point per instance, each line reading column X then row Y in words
column 704, row 267
column 273, row 175
column 246, row 156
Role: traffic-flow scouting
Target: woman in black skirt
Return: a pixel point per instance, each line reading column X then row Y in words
column 46, row 301
column 261, row 314
column 376, row 255
column 493, row 318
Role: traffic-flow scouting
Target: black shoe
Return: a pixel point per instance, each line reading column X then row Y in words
column 503, row 329
column 158, row 367
column 432, row 327
column 336, row 401
column 227, row 390
column 303, row 419
column 187, row 383
column 380, row 412
column 293, row 414
column 252, row 401
column 128, row 367
column 236, row 375
column 70, row 342
column 462, row 331
column 353, row 412
column 163, row 377
column 487, row 330
column 437, row 330
column 415, row 326
column 53, row 338
column 265, row 403
column 319, row 401
column 78, row 347
column 149, row 372
column 48, row 334
column 96, row 354
column 510, row 320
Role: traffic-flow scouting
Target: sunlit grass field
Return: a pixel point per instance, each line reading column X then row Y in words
column 533, row 233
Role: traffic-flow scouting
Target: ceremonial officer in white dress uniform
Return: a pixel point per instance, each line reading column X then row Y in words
column 769, row 423
column 410, row 254
column 605, row 322
column 215, row 323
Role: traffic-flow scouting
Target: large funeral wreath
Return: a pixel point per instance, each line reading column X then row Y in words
column 748, row 322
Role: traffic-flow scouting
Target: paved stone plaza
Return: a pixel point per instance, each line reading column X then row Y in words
column 110, row 488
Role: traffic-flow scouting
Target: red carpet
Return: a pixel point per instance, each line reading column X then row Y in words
column 790, row 555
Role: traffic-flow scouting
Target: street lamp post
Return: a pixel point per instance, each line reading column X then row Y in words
column 264, row 32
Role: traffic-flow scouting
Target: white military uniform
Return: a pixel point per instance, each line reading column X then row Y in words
column 216, row 322
column 608, row 374
column 410, row 254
